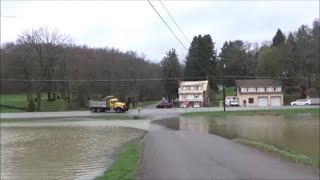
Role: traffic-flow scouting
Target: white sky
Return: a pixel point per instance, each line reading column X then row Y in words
column 134, row 25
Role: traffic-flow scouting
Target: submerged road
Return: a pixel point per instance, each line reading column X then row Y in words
column 169, row 154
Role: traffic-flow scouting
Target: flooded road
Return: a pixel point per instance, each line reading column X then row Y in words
column 58, row 149
column 299, row 133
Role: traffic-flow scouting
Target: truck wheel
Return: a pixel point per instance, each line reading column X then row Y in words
column 99, row 109
column 93, row 109
column 123, row 110
column 118, row 110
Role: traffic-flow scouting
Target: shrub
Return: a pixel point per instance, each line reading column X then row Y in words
column 31, row 106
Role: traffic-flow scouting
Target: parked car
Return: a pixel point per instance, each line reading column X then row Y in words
column 164, row 105
column 184, row 106
column 231, row 101
column 301, row 102
column 234, row 102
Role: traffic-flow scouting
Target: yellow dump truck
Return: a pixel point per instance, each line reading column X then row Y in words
column 110, row 103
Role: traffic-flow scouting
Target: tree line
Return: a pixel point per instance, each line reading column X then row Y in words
column 293, row 57
column 46, row 63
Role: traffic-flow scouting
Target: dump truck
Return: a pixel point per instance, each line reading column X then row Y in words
column 110, row 103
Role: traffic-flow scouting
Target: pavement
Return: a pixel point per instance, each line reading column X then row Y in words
column 149, row 112
column 183, row 155
column 169, row 154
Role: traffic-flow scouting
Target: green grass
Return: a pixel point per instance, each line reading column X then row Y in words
column 20, row 100
column 146, row 103
column 286, row 112
column 287, row 154
column 125, row 165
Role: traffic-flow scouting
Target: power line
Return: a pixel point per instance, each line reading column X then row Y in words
column 173, row 32
column 147, row 79
column 174, row 21
column 98, row 80
column 167, row 26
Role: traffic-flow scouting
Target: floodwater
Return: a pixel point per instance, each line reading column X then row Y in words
column 59, row 150
column 299, row 133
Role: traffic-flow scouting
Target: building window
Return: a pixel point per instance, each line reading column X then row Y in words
column 196, row 96
column 247, row 89
column 274, row 88
column 256, row 89
column 265, row 89
column 251, row 100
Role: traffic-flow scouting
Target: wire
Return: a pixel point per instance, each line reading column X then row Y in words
column 175, row 22
column 97, row 80
column 146, row 79
column 167, row 26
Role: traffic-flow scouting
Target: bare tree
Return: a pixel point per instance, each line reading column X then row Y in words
column 47, row 46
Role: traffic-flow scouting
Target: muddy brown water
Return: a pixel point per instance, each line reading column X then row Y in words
column 299, row 133
column 53, row 151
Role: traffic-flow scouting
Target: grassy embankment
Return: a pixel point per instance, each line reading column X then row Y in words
column 229, row 91
column 146, row 103
column 125, row 165
column 275, row 112
column 20, row 101
column 287, row 154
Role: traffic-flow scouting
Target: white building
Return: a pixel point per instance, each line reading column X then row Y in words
column 259, row 92
column 194, row 93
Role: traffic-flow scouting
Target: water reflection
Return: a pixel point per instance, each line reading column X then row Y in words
column 60, row 152
column 300, row 133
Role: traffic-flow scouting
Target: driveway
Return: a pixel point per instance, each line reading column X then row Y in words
column 182, row 155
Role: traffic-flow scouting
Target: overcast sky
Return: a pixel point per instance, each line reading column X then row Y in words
column 134, row 25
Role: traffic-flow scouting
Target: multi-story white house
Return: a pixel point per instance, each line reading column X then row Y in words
column 259, row 92
column 194, row 93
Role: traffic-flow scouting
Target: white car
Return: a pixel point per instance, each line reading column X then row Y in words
column 234, row 102
column 301, row 102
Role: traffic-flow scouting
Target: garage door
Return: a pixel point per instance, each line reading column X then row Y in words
column 275, row 101
column 196, row 104
column 262, row 101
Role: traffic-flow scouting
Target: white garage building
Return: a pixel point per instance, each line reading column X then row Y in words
column 259, row 92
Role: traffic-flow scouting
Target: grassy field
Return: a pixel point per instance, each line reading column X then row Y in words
column 125, row 165
column 20, row 100
column 146, row 103
column 287, row 154
column 287, row 112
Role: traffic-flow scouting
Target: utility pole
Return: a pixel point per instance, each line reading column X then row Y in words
column 224, row 95
column 223, row 87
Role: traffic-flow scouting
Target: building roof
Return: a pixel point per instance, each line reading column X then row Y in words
column 258, row 82
column 203, row 84
column 193, row 83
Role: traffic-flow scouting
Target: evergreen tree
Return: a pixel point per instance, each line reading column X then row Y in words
column 171, row 69
column 279, row 38
column 201, row 59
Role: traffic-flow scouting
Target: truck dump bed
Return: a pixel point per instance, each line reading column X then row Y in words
column 97, row 103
